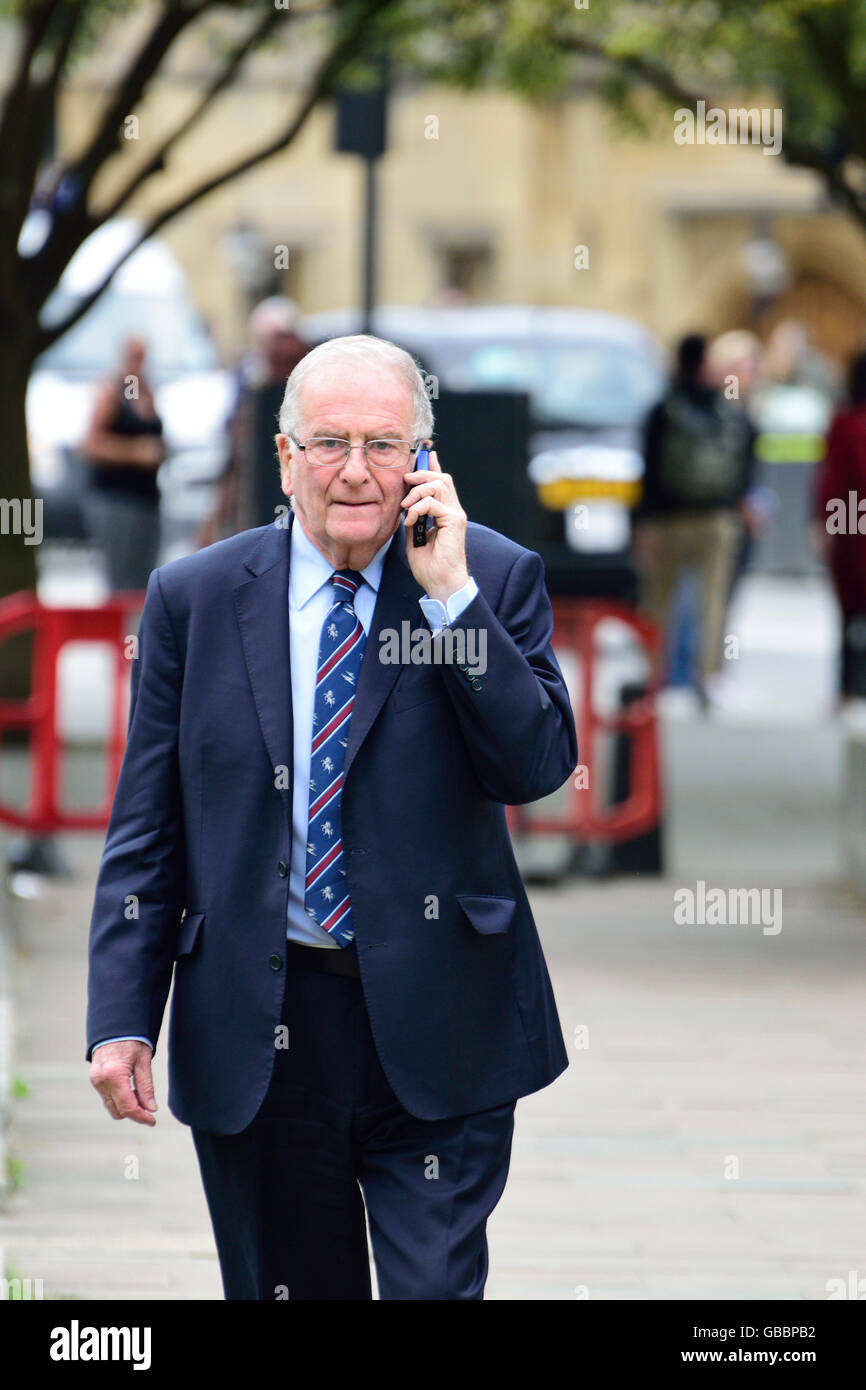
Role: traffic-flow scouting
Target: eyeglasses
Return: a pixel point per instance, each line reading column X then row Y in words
column 323, row 452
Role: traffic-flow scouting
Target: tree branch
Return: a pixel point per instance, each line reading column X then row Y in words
column 33, row 112
column 668, row 85
column 34, row 32
column 74, row 12
column 831, row 47
column 647, row 69
column 807, row 157
column 142, row 68
column 71, row 227
column 156, row 161
column 323, row 83
column 328, row 71
column 16, row 110
column 41, row 103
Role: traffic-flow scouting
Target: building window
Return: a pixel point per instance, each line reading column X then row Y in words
column 466, row 268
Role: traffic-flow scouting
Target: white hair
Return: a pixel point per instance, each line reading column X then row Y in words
column 360, row 347
column 274, row 315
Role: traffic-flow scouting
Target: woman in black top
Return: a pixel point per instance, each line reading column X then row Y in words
column 124, row 449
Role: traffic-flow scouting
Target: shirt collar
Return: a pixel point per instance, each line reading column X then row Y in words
column 309, row 569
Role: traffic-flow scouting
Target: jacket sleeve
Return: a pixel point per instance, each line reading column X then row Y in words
column 515, row 716
column 141, row 885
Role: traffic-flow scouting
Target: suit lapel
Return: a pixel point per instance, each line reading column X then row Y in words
column 396, row 602
column 262, row 608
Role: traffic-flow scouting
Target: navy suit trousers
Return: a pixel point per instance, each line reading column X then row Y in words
column 287, row 1195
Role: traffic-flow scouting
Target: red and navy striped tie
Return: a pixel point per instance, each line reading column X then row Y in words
column 341, row 646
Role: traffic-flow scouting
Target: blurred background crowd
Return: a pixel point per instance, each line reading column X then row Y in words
column 643, row 339
column 652, row 343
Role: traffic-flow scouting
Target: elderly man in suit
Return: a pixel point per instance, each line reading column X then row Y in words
column 309, row 832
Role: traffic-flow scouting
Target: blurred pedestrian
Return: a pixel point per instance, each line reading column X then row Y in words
column 124, row 449
column 734, row 362
column 696, row 451
column 791, row 358
column 840, row 488
column 249, row 491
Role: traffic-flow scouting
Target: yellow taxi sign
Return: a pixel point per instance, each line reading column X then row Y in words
column 564, row 492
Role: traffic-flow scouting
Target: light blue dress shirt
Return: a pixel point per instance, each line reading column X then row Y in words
column 310, row 596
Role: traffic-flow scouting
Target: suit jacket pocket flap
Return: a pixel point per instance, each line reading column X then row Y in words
column 187, row 934
column 487, row 913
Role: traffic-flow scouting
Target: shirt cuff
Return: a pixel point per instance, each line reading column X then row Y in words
column 127, row 1037
column 439, row 614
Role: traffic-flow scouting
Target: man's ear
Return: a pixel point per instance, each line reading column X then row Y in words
column 284, row 449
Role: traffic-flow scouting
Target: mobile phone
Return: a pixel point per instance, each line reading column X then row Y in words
column 419, row 530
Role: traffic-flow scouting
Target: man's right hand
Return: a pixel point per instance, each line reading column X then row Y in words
column 120, row 1072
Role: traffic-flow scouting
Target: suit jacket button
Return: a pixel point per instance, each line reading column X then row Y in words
column 282, row 868
column 276, row 962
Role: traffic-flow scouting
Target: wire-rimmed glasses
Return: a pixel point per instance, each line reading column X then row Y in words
column 327, row 451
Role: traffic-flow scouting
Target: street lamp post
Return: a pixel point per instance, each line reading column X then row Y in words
column 361, row 117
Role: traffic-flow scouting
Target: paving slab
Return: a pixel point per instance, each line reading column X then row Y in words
column 707, row 1141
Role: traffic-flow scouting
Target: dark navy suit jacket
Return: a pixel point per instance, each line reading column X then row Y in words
column 194, row 872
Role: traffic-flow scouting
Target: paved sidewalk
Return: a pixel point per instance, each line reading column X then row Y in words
column 708, row 1048
column 709, row 1142
column 104, row 1210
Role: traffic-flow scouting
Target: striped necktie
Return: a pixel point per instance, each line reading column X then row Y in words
column 341, row 647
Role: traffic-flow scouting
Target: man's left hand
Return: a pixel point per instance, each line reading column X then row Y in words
column 440, row 565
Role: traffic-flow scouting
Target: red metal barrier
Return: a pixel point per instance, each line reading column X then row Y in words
column 575, row 623
column 111, row 624
column 583, row 817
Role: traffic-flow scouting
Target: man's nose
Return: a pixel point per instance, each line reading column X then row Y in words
column 356, row 463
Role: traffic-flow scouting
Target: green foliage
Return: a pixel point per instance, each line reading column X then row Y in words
column 15, row 1172
column 807, row 56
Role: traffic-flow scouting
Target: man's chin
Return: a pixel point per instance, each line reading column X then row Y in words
column 357, row 523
